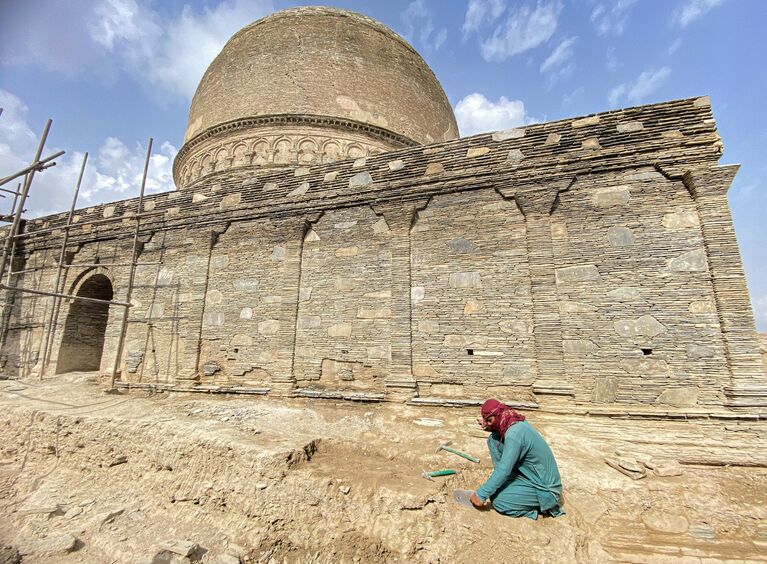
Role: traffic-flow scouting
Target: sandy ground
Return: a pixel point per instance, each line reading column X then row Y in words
column 92, row 477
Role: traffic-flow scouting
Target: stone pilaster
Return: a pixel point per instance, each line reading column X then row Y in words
column 292, row 231
column 536, row 205
column 400, row 385
column 708, row 187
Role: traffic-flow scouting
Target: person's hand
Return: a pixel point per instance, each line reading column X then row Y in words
column 478, row 503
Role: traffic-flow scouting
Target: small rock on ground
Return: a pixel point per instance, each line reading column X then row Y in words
column 667, row 468
column 227, row 559
column 665, row 522
column 54, row 544
column 9, row 555
column 73, row 512
column 180, row 547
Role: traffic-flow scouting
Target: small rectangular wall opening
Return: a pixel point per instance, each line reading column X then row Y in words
column 646, row 352
column 470, row 351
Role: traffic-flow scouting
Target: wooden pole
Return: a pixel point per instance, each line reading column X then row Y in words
column 13, row 246
column 37, row 165
column 23, row 200
column 11, row 239
column 67, row 296
column 124, row 328
column 56, row 300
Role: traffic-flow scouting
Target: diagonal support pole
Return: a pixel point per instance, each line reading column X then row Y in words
column 8, row 248
column 124, row 328
column 47, row 341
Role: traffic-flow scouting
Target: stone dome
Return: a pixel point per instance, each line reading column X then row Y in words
column 311, row 85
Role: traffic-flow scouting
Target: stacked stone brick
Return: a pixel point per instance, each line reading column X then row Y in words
column 311, row 85
column 584, row 262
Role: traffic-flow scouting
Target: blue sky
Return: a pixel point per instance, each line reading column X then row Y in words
column 112, row 73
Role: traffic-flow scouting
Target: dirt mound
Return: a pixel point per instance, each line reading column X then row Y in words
column 132, row 478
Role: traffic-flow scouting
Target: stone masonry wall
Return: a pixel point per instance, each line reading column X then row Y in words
column 635, row 293
column 248, row 325
column 163, row 331
column 23, row 350
column 279, row 146
column 472, row 312
column 343, row 333
column 763, row 350
column 588, row 261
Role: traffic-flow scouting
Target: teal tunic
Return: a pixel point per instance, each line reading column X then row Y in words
column 525, row 479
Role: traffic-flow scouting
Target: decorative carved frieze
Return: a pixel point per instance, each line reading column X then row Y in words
column 280, row 141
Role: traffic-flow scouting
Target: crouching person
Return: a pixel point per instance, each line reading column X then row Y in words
column 525, row 481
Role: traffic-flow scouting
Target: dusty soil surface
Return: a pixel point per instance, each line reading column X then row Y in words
column 91, row 477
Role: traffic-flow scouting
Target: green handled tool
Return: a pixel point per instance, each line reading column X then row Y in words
column 430, row 475
column 458, row 452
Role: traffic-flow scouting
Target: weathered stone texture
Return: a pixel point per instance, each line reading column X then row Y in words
column 763, row 350
column 585, row 276
column 351, row 321
column 349, row 94
column 469, row 255
column 646, row 298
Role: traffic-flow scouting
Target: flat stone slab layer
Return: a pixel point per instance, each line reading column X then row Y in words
column 248, row 477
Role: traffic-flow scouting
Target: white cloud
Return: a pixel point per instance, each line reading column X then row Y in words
column 616, row 94
column 110, row 36
column 613, row 63
column 440, row 38
column 744, row 191
column 120, row 20
column 639, row 89
column 418, row 23
column 611, row 20
column 476, row 114
column 567, row 99
column 560, row 57
column 692, row 10
column 481, row 12
column 119, row 170
column 524, row 29
column 113, row 174
column 173, row 54
column 675, row 46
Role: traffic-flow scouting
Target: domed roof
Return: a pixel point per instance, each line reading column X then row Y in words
column 322, row 67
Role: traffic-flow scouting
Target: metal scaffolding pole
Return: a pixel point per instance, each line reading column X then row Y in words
column 124, row 328
column 56, row 301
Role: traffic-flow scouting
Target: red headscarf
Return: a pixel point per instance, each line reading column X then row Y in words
column 505, row 417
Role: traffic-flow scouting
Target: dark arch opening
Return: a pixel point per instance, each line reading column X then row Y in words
column 83, row 339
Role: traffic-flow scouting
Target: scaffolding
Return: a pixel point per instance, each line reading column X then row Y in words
column 8, row 276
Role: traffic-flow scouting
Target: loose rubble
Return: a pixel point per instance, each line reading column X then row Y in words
column 341, row 482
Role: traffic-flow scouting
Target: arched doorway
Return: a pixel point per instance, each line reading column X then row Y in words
column 83, row 339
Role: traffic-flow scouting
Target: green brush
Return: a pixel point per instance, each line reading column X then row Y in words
column 458, row 452
column 430, row 475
